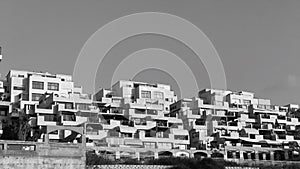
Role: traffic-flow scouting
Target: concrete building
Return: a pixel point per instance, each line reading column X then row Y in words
column 46, row 99
column 141, row 120
column 135, row 115
column 239, row 127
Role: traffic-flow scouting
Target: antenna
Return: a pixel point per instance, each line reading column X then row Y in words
column 0, row 53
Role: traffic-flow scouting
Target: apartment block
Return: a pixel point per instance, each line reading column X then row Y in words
column 239, row 127
column 135, row 115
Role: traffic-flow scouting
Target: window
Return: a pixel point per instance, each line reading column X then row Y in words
column 53, row 86
column 69, row 117
column 158, row 95
column 37, row 85
column 19, row 88
column 164, row 145
column 180, row 137
column 3, row 113
column 146, row 94
column 247, row 102
column 36, row 96
column 50, row 117
column 68, row 106
column 81, row 106
column 149, row 145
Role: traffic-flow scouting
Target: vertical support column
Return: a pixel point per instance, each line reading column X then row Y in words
column 256, row 155
column 225, row 154
column 155, row 155
column 286, row 155
column 234, row 155
column 46, row 140
column 249, row 155
column 5, row 146
column 242, row 155
column 118, row 155
column 83, row 141
column 191, row 154
column 137, row 154
column 208, row 154
column 272, row 155
column 264, row 156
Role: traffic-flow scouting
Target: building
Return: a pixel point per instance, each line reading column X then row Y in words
column 135, row 115
column 142, row 120
column 45, row 99
column 239, row 127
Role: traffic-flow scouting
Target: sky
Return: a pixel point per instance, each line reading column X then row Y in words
column 258, row 41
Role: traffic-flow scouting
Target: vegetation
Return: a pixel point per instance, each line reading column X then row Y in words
column 178, row 163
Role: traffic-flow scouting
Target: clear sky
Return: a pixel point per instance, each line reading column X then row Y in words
column 258, row 40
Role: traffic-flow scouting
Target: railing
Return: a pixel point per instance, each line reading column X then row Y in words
column 162, row 124
column 269, row 137
column 200, row 122
column 222, row 123
column 281, row 136
column 152, row 112
column 233, row 124
column 230, row 114
column 265, row 116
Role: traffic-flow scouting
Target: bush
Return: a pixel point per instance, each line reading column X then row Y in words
column 94, row 159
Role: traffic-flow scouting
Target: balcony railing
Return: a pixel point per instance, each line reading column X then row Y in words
column 230, row 114
column 297, row 137
column 200, row 122
column 265, row 116
column 233, row 124
column 282, row 136
column 162, row 124
column 222, row 123
column 269, row 137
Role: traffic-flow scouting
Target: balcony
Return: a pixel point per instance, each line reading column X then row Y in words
column 232, row 114
column 235, row 124
column 140, row 111
column 162, row 124
column 23, row 97
column 269, row 137
column 116, row 111
column 296, row 137
column 44, row 110
column 200, row 122
column 281, row 117
column 127, row 123
column 282, row 136
column 47, row 120
column 222, row 123
column 152, row 112
column 265, row 116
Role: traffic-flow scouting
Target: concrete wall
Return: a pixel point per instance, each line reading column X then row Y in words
column 32, row 155
column 128, row 167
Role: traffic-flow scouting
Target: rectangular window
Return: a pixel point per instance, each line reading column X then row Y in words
column 145, row 94
column 3, row 113
column 247, row 102
column 49, row 117
column 68, row 106
column 158, row 95
column 37, row 85
column 81, row 106
column 149, row 145
column 69, row 117
column 53, row 86
column 36, row 96
column 180, row 137
column 19, row 88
